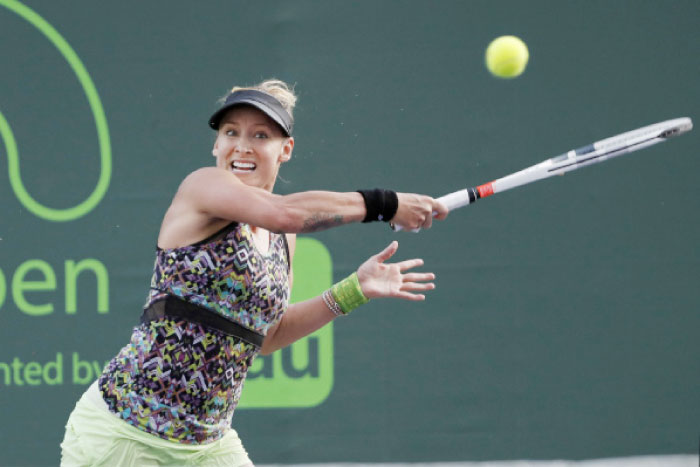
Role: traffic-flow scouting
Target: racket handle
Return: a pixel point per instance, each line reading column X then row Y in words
column 457, row 199
column 452, row 201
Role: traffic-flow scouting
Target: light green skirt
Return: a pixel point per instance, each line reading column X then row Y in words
column 97, row 437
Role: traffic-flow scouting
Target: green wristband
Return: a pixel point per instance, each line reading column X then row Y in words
column 348, row 293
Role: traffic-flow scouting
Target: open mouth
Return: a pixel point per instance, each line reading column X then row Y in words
column 243, row 166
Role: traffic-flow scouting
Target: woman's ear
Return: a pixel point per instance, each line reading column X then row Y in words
column 287, row 149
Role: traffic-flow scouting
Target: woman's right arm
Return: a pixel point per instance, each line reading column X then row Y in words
column 218, row 193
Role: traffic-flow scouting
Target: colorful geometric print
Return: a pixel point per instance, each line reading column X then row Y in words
column 177, row 379
column 229, row 276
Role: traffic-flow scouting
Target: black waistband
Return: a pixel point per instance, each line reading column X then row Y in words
column 173, row 307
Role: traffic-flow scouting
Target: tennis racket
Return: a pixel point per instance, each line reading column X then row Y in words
column 575, row 159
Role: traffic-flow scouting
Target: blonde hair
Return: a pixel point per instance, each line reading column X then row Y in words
column 277, row 89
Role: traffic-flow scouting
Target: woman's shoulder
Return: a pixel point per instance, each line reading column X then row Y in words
column 207, row 173
column 207, row 179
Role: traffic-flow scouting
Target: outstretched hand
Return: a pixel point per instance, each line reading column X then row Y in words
column 380, row 279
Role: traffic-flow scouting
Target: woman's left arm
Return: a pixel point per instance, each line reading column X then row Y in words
column 377, row 279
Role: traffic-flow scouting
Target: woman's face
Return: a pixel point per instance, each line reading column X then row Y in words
column 252, row 146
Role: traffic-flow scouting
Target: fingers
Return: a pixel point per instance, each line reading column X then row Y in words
column 440, row 210
column 417, row 282
column 417, row 286
column 394, row 279
column 409, row 264
column 427, row 212
column 410, row 296
column 414, row 212
column 418, row 277
column 412, row 284
column 387, row 252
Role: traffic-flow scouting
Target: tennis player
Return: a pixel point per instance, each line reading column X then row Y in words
column 219, row 294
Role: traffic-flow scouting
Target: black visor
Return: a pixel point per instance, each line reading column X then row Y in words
column 261, row 101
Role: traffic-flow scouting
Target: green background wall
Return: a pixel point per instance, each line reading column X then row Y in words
column 565, row 319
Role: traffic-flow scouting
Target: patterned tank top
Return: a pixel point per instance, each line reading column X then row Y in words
column 177, row 379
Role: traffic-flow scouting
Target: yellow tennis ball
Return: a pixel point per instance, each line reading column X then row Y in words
column 506, row 56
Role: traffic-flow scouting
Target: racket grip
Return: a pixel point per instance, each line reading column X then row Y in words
column 454, row 200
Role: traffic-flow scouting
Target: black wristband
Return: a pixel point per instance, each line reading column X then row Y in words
column 381, row 204
column 391, row 205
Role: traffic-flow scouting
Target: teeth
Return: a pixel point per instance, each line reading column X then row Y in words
column 240, row 165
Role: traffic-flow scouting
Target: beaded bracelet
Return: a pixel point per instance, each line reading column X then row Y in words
column 348, row 293
column 331, row 303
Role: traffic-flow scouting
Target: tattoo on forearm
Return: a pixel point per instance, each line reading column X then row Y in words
column 322, row 221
